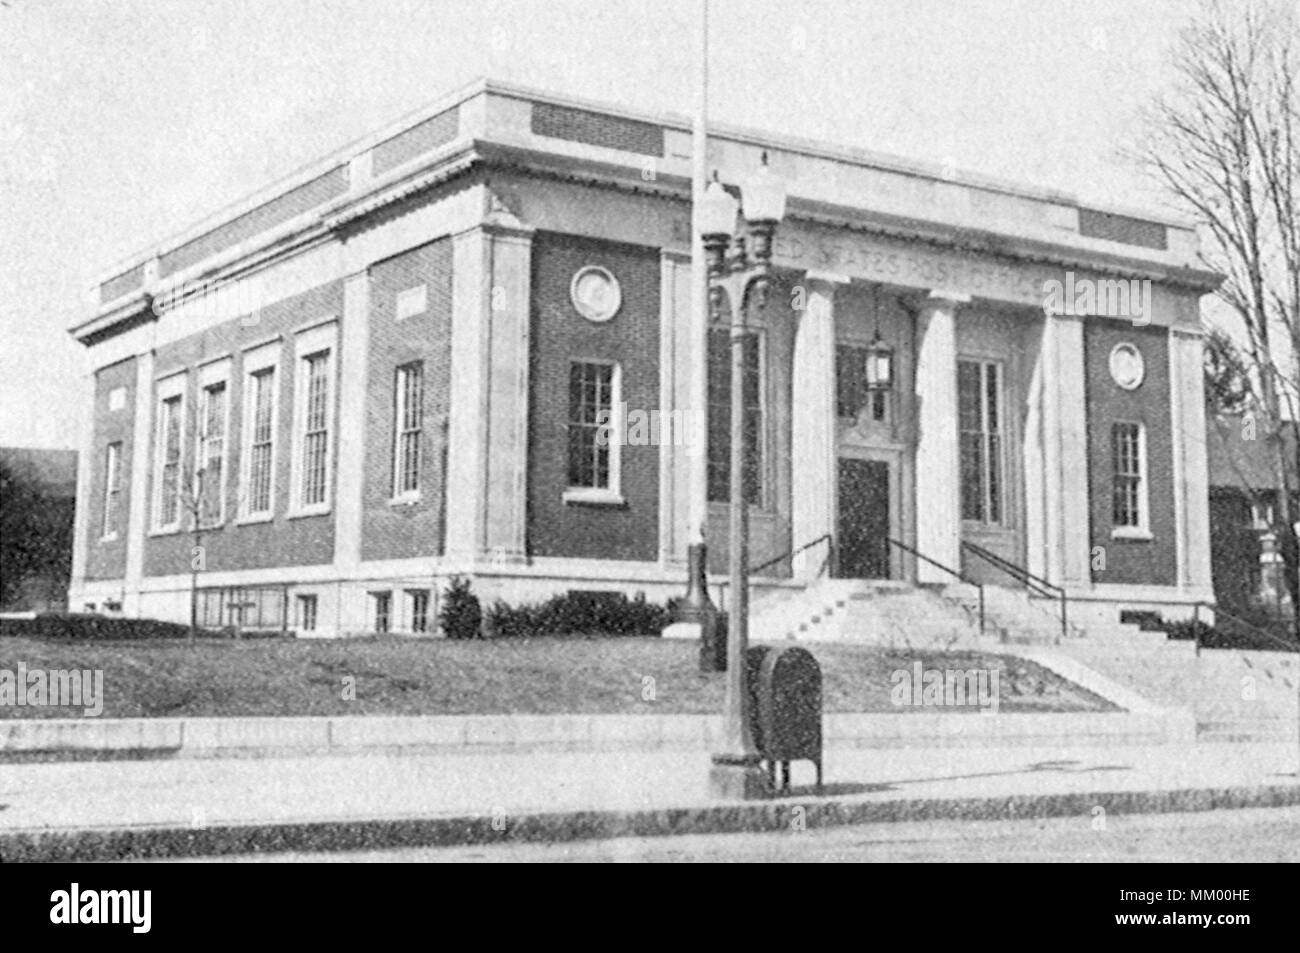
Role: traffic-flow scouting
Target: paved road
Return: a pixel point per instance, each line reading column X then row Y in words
column 1271, row 835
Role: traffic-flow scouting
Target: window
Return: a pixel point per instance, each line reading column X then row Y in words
column 167, row 473
column 1129, row 480
column 307, row 613
column 419, row 609
column 719, row 462
column 979, row 400
column 315, row 429
column 594, row 437
column 409, row 425
column 383, row 610
column 313, row 420
column 210, row 462
column 260, row 406
column 112, row 488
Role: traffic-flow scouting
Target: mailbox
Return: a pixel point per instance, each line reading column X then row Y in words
column 785, row 708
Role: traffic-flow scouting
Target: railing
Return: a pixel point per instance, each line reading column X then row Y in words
column 1268, row 636
column 957, row 574
column 826, row 538
column 1035, row 584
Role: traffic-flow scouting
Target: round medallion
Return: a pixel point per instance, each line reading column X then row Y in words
column 1126, row 366
column 595, row 293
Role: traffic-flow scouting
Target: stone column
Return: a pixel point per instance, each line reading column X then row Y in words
column 138, row 518
column 813, row 422
column 1067, row 549
column 487, row 454
column 1191, row 468
column 85, row 483
column 353, row 363
column 938, row 473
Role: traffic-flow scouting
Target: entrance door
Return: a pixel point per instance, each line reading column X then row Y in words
column 864, row 519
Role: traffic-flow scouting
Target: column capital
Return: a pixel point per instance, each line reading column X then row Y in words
column 937, row 295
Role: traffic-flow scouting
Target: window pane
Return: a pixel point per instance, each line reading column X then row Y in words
column 316, row 435
column 591, row 404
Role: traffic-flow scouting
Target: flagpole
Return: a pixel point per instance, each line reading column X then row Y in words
column 696, row 607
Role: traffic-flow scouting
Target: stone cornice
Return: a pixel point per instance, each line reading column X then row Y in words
column 459, row 158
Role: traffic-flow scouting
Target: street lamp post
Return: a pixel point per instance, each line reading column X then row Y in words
column 739, row 283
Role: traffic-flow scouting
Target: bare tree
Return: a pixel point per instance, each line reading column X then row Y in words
column 1225, row 143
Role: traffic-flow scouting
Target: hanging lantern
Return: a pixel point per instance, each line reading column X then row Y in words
column 880, row 365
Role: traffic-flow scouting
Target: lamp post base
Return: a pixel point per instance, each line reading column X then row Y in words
column 738, row 778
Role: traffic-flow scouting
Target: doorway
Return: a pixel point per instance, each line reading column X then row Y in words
column 864, row 519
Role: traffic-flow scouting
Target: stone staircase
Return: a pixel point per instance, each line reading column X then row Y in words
column 889, row 614
column 1234, row 695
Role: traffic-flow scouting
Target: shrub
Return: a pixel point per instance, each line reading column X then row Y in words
column 1230, row 635
column 73, row 625
column 461, row 616
column 578, row 613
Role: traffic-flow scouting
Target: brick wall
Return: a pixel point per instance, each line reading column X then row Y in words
column 559, row 335
column 283, row 541
column 1136, row 562
column 277, row 211
column 106, row 558
column 399, row 530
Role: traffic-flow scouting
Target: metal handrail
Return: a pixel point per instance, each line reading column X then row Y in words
column 1022, row 575
column 824, row 538
column 1196, row 627
column 956, row 573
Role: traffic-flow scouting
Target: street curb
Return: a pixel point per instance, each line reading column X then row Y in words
column 134, row 738
column 159, row 842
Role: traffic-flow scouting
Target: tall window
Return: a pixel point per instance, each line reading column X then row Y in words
column 211, row 457
column 315, row 428
column 593, row 450
column 720, row 416
column 261, row 440
column 409, row 413
column 170, row 422
column 383, row 610
column 419, row 609
column 112, row 488
column 1128, row 480
column 979, row 402
column 307, row 613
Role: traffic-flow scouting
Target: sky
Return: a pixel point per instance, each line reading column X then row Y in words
column 125, row 121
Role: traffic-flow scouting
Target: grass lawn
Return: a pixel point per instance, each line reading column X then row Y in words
column 404, row 676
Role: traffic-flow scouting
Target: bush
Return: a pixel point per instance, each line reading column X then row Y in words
column 578, row 613
column 1230, row 635
column 461, row 617
column 74, row 625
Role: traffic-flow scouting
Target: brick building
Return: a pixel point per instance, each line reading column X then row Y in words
column 385, row 371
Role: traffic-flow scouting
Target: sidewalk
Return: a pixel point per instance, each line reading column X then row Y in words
column 98, row 809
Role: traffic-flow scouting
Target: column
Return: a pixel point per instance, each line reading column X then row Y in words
column 85, row 481
column 511, row 250
column 487, row 454
column 353, row 364
column 138, row 517
column 813, row 423
column 1191, row 469
column 938, row 469
column 1068, row 547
